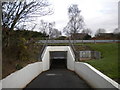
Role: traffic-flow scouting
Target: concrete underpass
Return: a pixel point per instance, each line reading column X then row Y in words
column 58, row 76
column 57, row 68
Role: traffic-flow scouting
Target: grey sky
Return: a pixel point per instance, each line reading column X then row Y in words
column 96, row 13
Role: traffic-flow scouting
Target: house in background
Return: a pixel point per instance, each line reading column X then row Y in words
column 106, row 36
column 80, row 36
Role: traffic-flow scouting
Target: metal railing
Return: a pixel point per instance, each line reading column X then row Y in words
column 42, row 50
column 79, row 41
column 76, row 53
column 71, row 44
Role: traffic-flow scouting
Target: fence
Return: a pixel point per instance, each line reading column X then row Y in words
column 90, row 55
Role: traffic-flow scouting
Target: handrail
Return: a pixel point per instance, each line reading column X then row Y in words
column 76, row 53
column 42, row 50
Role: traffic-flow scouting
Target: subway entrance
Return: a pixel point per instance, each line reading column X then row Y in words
column 58, row 59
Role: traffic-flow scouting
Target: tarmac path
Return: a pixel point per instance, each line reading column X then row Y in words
column 58, row 77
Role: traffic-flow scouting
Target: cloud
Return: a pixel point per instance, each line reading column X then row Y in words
column 97, row 13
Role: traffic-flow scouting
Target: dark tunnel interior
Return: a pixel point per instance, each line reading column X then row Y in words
column 58, row 59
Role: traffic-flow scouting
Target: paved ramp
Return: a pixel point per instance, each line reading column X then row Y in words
column 58, row 78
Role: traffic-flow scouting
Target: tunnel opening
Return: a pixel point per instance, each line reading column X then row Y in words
column 58, row 59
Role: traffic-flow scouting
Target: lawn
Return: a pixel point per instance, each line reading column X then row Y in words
column 108, row 64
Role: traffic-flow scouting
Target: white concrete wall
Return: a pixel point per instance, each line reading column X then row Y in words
column 95, row 78
column 21, row 78
column 70, row 59
column 45, row 60
column 46, row 56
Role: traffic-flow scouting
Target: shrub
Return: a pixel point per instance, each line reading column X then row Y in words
column 22, row 49
column 18, row 66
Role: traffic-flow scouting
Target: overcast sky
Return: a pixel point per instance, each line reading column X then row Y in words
column 96, row 13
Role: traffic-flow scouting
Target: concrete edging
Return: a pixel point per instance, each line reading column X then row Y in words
column 21, row 78
column 93, row 77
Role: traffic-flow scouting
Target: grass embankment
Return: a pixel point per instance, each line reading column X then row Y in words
column 108, row 64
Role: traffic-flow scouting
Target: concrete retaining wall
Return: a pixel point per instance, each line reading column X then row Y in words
column 21, row 78
column 94, row 77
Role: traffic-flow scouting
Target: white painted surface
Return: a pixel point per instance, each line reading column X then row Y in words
column 70, row 59
column 45, row 60
column 46, row 56
column 21, row 78
column 0, row 85
column 94, row 77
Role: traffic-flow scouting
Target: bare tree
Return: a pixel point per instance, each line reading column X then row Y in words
column 43, row 26
column 116, row 31
column 50, row 28
column 87, row 31
column 55, row 33
column 99, row 31
column 76, row 21
column 16, row 12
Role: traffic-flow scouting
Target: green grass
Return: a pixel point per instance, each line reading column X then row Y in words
column 108, row 64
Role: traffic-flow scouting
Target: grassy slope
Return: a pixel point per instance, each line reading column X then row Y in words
column 108, row 64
